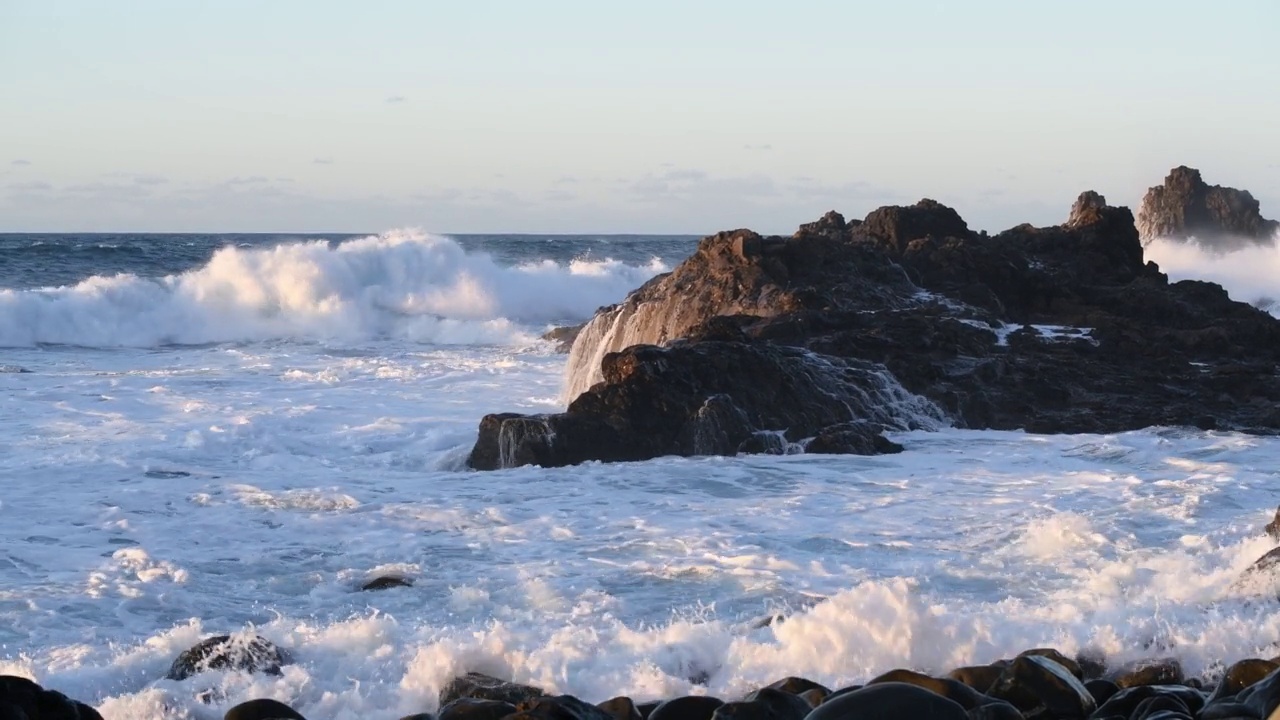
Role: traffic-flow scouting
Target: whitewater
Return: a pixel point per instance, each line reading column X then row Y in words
column 209, row 435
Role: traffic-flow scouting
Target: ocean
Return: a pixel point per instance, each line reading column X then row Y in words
column 207, row 434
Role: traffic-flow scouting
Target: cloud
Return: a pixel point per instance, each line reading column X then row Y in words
column 691, row 184
column 150, row 180
column 397, row 99
column 250, row 180
column 20, row 162
column 322, row 161
column 28, row 187
column 559, row 196
column 567, row 180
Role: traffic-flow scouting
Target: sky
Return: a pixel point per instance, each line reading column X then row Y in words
column 561, row 116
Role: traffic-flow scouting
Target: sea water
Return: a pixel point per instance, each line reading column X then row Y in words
column 212, row 434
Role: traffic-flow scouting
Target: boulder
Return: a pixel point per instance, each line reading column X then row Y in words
column 474, row 708
column 1185, row 206
column 248, row 653
column 486, row 687
column 262, row 709
column 888, row 700
column 688, row 707
column 1035, row 683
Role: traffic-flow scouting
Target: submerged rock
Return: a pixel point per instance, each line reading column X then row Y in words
column 1185, row 206
column 384, row 582
column 486, row 687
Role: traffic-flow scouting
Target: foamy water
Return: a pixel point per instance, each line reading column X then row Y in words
column 154, row 494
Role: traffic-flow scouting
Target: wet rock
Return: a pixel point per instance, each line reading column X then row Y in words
column 689, row 707
column 1185, row 206
column 1149, row 672
column 1158, row 704
column 765, row 704
column 814, row 696
column 795, row 686
column 621, row 708
column 998, row 710
column 385, row 582
column 1263, row 696
column 907, row 320
column 1032, row 682
column 963, row 695
column 1125, row 702
column 559, row 707
column 888, row 700
column 263, row 709
column 419, row 716
column 1071, row 665
column 1241, row 675
column 978, row 677
column 24, row 699
column 1092, row 666
column 486, row 687
column 1225, row 710
column 251, row 654
column 1273, row 527
column 1101, row 690
column 646, row 708
column 563, row 336
column 473, row 708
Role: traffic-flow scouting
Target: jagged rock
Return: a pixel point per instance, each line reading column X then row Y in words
column 486, row 687
column 1273, row 527
column 688, row 399
column 226, row 652
column 563, row 336
column 905, row 320
column 1186, row 206
column 263, row 709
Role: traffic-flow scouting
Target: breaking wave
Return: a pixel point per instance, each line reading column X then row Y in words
column 403, row 284
column 1250, row 272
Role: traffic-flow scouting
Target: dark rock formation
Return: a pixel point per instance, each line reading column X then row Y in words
column 1185, row 206
column 23, row 699
column 262, row 709
column 385, row 582
column 486, row 687
column 824, row 339
column 225, row 652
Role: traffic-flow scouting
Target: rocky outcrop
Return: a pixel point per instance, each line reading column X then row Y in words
column 823, row 340
column 1185, row 207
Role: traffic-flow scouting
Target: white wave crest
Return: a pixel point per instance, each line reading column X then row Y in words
column 403, row 284
column 1249, row 271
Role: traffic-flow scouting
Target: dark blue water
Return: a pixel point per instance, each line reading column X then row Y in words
column 51, row 260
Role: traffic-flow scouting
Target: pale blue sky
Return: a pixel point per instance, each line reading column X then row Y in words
column 564, row 116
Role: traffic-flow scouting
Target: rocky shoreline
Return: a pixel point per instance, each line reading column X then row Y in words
column 1040, row 683
column 824, row 340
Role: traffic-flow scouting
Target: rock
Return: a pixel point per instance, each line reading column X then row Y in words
column 1225, row 710
column 795, row 686
column 687, row 399
column 1160, row 704
column 263, row 709
column 1186, row 206
column 888, row 700
column 1263, row 697
column 995, row 711
column 954, row 690
column 689, row 707
column 1125, row 702
column 1092, row 666
column 23, row 699
column 563, row 337
column 251, row 654
column 559, row 707
column 1149, row 672
column 1273, row 527
column 814, row 696
column 473, row 708
column 419, row 716
column 1101, row 690
column 1241, row 675
column 1032, row 682
column 646, row 709
column 387, row 581
column 765, row 704
column 486, row 687
column 907, row 320
column 978, row 677
column 1071, row 665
